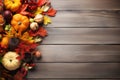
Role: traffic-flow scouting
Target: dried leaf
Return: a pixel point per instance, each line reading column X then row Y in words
column 51, row 12
column 24, row 47
column 38, row 11
column 47, row 20
column 40, row 32
column 41, row 2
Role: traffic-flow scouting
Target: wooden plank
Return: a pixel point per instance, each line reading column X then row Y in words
column 79, row 53
column 86, row 19
column 76, row 70
column 69, row 79
column 83, row 36
column 86, row 4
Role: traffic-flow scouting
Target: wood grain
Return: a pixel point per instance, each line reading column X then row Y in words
column 84, row 19
column 76, row 70
column 79, row 53
column 86, row 4
column 83, row 36
column 83, row 42
column 68, row 79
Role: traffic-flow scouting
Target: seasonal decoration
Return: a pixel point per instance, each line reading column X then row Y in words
column 10, row 61
column 19, row 23
column 13, row 5
column 22, row 29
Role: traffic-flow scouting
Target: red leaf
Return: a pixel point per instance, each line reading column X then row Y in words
column 51, row 12
column 23, row 11
column 40, row 32
column 27, row 13
column 24, row 47
column 41, row 2
column 18, row 76
column 22, row 8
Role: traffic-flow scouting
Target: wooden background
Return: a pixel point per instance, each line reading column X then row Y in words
column 83, row 42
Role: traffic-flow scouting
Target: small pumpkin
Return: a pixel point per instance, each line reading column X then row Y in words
column 4, row 42
column 19, row 23
column 34, row 26
column 10, row 61
column 13, row 5
column 39, row 18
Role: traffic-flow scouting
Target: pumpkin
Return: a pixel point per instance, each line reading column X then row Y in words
column 19, row 23
column 10, row 61
column 39, row 18
column 2, row 22
column 4, row 42
column 34, row 26
column 13, row 5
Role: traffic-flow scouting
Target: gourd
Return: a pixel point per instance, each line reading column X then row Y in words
column 19, row 23
column 34, row 26
column 13, row 5
column 39, row 18
column 4, row 42
column 10, row 61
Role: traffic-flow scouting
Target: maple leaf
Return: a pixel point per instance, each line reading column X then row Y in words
column 41, row 2
column 40, row 32
column 24, row 47
column 47, row 20
column 22, row 10
column 51, row 12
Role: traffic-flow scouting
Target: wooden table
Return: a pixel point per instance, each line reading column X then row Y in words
column 83, row 42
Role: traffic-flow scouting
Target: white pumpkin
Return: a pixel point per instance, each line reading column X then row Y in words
column 34, row 26
column 39, row 18
column 10, row 61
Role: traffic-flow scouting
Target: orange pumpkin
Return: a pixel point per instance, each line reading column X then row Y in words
column 4, row 42
column 19, row 23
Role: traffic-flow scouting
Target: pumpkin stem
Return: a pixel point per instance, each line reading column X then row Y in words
column 12, row 1
column 10, row 60
column 19, row 23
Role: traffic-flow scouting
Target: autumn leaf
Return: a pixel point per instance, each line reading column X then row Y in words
column 51, row 12
column 47, row 20
column 38, row 11
column 41, row 2
column 40, row 32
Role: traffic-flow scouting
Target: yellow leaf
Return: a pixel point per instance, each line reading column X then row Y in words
column 47, row 20
column 38, row 11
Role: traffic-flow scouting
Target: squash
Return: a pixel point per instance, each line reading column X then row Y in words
column 10, row 61
column 39, row 18
column 19, row 23
column 13, row 5
column 4, row 42
column 34, row 26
